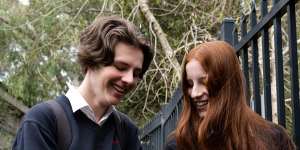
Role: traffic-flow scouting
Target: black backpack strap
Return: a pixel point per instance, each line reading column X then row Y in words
column 121, row 128
column 63, row 126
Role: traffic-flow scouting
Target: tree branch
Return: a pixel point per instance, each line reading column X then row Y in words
column 2, row 19
column 11, row 100
column 143, row 5
column 7, row 129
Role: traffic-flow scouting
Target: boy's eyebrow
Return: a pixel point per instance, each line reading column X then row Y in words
column 124, row 63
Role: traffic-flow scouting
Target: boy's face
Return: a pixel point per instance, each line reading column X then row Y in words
column 110, row 83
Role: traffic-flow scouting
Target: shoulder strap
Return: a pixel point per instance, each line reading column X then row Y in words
column 121, row 129
column 63, row 126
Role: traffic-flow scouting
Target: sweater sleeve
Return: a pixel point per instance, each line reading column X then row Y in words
column 134, row 142
column 170, row 145
column 37, row 130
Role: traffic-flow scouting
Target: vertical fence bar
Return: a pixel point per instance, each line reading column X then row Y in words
column 155, row 140
column 148, row 142
column 235, row 36
column 177, row 112
column 294, row 70
column 245, row 63
column 279, row 69
column 236, row 40
column 227, row 30
column 162, row 132
column 255, row 67
column 266, row 65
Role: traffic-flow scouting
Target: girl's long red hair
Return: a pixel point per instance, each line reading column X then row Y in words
column 229, row 123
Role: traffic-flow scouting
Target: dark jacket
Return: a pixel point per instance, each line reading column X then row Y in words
column 38, row 131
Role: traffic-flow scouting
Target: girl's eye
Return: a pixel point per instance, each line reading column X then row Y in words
column 190, row 84
column 203, row 81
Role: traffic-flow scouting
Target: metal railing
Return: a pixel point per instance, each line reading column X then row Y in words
column 154, row 134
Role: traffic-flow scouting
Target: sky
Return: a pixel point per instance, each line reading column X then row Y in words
column 24, row 2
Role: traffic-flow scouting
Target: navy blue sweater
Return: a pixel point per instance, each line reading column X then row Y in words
column 38, row 131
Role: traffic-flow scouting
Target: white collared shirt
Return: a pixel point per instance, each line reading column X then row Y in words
column 79, row 103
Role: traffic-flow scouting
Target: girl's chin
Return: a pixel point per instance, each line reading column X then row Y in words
column 202, row 114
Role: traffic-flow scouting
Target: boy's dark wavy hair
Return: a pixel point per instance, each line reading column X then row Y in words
column 98, row 41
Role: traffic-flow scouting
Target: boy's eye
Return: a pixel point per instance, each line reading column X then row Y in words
column 137, row 73
column 120, row 67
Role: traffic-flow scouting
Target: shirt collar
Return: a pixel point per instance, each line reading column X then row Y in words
column 78, row 102
column 76, row 99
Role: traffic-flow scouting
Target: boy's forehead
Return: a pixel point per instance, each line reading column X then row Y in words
column 128, row 54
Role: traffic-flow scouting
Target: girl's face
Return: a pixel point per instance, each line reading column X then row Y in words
column 197, row 86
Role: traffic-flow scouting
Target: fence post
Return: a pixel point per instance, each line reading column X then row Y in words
column 227, row 30
column 162, row 127
column 291, row 13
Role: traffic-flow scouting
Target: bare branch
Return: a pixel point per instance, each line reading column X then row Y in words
column 143, row 4
column 14, row 102
column 2, row 19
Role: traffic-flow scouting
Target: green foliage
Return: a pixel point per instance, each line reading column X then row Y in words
column 7, row 138
column 9, row 118
column 37, row 42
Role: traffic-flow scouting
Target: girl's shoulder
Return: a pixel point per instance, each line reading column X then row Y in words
column 170, row 144
column 283, row 140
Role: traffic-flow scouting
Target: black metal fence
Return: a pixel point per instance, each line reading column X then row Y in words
column 249, row 43
column 154, row 134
